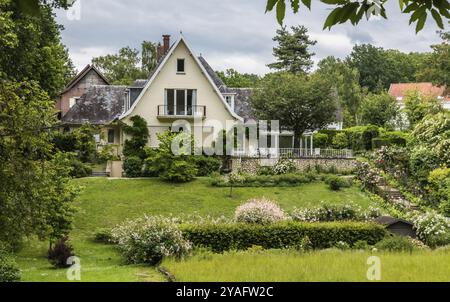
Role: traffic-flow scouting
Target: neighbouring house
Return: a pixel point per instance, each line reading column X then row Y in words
column 399, row 91
column 397, row 226
column 182, row 86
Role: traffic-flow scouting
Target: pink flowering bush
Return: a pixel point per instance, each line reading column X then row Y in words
column 149, row 239
column 260, row 211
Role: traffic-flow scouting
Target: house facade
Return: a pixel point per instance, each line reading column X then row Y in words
column 183, row 91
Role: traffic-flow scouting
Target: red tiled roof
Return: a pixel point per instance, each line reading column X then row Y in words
column 399, row 90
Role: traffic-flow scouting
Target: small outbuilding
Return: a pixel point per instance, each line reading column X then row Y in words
column 397, row 226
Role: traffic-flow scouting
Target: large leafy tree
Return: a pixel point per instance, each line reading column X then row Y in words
column 31, row 48
column 293, row 51
column 353, row 11
column 233, row 78
column 379, row 109
column 35, row 192
column 128, row 64
column 436, row 67
column 299, row 102
column 417, row 106
column 378, row 68
column 345, row 80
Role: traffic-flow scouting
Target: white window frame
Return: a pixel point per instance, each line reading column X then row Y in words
column 73, row 101
column 194, row 100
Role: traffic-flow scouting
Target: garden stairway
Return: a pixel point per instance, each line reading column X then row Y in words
column 393, row 195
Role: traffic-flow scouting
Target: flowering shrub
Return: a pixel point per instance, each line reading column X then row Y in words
column 150, row 239
column 369, row 177
column 328, row 212
column 261, row 211
column 284, row 166
column 432, row 228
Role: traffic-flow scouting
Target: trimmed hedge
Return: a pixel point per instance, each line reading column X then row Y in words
column 284, row 180
column 224, row 237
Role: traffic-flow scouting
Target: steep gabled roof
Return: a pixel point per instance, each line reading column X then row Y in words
column 100, row 105
column 213, row 75
column 82, row 74
column 163, row 62
column 399, row 90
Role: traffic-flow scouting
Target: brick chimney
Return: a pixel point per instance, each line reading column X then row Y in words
column 166, row 43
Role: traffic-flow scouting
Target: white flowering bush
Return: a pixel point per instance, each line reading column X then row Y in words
column 330, row 212
column 149, row 239
column 261, row 211
column 432, row 228
column 284, row 166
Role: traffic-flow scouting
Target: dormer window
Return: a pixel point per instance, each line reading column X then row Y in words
column 230, row 101
column 180, row 66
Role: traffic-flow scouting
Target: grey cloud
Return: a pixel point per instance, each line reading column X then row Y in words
column 232, row 33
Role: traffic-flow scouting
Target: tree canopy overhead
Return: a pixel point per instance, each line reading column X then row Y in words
column 353, row 11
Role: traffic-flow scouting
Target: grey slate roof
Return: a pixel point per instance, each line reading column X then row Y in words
column 388, row 220
column 98, row 106
column 242, row 102
column 139, row 83
column 216, row 79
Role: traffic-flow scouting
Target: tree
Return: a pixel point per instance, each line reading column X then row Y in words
column 346, row 82
column 233, row 78
column 31, row 48
column 35, row 192
column 354, row 11
column 417, row 106
column 436, row 67
column 149, row 57
column 379, row 109
column 299, row 102
column 138, row 137
column 128, row 64
column 292, row 52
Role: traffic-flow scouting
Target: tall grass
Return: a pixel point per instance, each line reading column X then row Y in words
column 325, row 266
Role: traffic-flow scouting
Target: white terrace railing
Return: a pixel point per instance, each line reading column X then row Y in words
column 294, row 153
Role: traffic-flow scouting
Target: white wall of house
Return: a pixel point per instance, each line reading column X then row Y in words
column 193, row 78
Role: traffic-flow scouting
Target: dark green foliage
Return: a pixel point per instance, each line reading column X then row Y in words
column 335, row 183
column 284, row 180
column 224, row 237
column 378, row 109
column 9, row 270
column 388, row 141
column 396, row 244
column 354, row 11
column 133, row 167
column 321, row 140
column 31, row 48
column 293, row 51
column 233, row 78
column 65, row 141
column 103, row 236
column 139, row 134
column 206, row 165
column 180, row 170
column 60, row 252
column 79, row 169
column 35, row 186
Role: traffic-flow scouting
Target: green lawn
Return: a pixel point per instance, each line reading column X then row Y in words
column 325, row 266
column 105, row 203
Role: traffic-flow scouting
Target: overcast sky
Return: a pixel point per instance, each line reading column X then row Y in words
column 228, row 33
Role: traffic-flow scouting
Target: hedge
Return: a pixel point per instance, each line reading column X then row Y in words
column 224, row 237
column 284, row 180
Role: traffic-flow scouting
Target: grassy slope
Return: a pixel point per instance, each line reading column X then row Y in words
column 105, row 203
column 329, row 265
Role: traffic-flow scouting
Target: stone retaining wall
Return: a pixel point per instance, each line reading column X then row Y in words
column 252, row 165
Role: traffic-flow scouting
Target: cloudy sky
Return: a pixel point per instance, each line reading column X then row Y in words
column 228, row 33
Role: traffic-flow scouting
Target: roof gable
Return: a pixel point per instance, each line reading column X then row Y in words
column 399, row 90
column 82, row 74
column 161, row 65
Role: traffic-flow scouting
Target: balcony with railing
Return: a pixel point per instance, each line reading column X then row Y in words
column 172, row 112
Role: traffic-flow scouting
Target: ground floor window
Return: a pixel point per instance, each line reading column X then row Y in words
column 111, row 135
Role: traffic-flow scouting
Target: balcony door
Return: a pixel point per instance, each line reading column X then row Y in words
column 180, row 102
